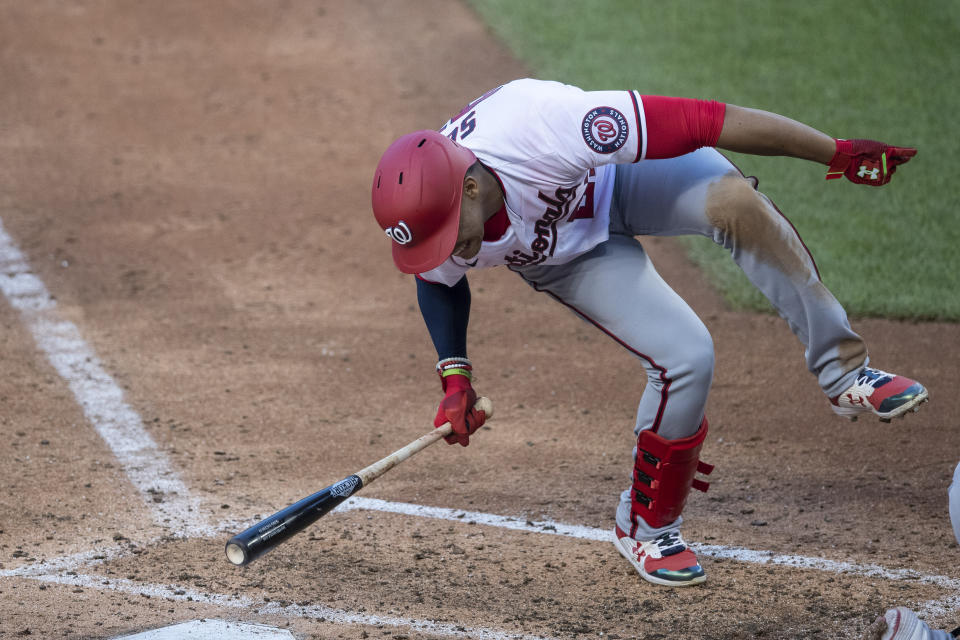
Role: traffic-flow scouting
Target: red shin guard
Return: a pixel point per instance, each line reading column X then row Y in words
column 663, row 474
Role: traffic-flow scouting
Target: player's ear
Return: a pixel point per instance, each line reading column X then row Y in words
column 471, row 188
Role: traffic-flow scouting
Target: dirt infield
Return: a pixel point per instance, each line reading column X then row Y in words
column 201, row 324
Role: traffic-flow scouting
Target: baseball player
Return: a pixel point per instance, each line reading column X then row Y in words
column 555, row 183
column 900, row 623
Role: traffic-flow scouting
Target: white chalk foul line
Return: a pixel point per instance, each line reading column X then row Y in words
column 98, row 394
column 66, row 563
column 943, row 608
column 739, row 554
column 100, row 555
column 263, row 608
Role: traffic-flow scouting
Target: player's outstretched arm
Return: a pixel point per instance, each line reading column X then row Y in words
column 763, row 133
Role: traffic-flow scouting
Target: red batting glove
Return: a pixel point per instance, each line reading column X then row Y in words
column 457, row 406
column 867, row 161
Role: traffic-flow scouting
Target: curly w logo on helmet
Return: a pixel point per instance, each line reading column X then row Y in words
column 400, row 234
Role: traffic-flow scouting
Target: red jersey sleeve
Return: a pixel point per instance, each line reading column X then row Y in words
column 676, row 126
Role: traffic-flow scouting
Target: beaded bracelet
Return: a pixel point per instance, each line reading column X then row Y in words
column 455, row 367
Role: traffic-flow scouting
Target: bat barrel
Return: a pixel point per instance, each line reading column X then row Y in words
column 247, row 546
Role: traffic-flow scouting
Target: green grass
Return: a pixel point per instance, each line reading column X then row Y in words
column 882, row 69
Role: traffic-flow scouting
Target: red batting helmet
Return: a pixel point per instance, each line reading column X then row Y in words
column 416, row 196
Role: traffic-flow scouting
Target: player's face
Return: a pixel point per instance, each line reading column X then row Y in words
column 482, row 198
column 471, row 230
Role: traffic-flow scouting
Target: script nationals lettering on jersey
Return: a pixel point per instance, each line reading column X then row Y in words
column 545, row 229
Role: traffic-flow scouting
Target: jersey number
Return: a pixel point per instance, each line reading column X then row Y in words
column 466, row 127
column 469, row 122
column 585, row 208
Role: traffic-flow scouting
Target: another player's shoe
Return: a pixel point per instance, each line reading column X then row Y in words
column 886, row 395
column 665, row 560
column 900, row 623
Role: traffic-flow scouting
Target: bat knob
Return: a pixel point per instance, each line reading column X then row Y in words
column 483, row 404
column 236, row 554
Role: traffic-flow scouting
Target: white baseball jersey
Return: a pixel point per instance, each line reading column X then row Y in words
column 548, row 144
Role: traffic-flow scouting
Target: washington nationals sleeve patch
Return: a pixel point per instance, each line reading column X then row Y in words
column 604, row 129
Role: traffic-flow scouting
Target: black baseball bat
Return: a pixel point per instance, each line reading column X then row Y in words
column 247, row 546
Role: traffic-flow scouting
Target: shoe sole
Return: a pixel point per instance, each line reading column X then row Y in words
column 900, row 412
column 649, row 578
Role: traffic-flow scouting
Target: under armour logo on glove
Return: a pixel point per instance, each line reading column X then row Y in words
column 867, row 161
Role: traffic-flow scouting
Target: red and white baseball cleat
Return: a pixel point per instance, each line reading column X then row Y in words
column 900, row 623
column 886, row 395
column 665, row 560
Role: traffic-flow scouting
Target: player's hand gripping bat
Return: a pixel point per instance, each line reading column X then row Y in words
column 247, row 546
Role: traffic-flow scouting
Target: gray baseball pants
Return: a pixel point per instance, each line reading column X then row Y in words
column 616, row 288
